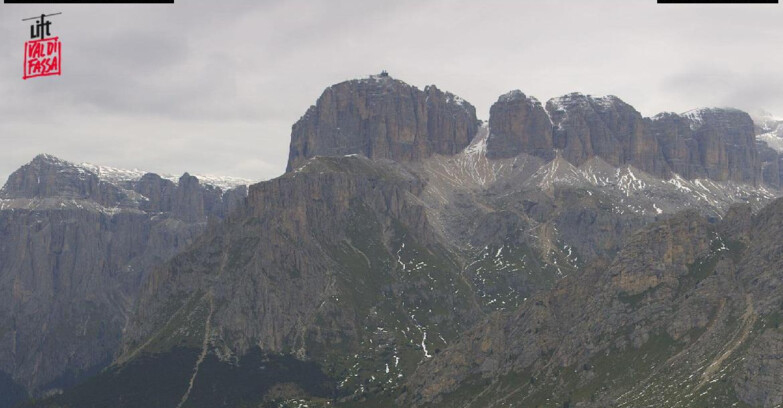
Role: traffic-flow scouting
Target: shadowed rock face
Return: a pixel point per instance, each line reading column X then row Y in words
column 718, row 144
column 382, row 118
column 74, row 249
column 605, row 127
column 187, row 199
column 679, row 148
column 769, row 160
column 727, row 148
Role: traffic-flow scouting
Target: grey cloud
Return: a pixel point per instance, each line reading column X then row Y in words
column 134, row 51
column 708, row 86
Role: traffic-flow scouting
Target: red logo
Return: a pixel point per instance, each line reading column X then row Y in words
column 42, row 58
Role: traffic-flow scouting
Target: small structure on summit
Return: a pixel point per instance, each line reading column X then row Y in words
column 384, row 73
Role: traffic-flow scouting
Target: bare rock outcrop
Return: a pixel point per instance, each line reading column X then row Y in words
column 382, row 118
column 519, row 124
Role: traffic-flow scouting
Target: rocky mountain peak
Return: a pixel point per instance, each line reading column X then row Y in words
column 519, row 124
column 568, row 99
column 382, row 117
column 187, row 179
column 45, row 158
column 586, row 126
column 49, row 176
column 578, row 100
column 517, row 95
column 717, row 117
column 666, row 116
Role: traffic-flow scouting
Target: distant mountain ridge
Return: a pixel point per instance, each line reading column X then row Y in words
column 48, row 177
column 769, row 129
column 116, row 175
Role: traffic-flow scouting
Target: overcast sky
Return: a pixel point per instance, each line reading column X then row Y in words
column 214, row 86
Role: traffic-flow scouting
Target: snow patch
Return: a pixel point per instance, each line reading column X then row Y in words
column 695, row 117
column 424, row 345
column 116, row 175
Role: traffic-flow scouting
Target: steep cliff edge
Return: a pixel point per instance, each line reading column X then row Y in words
column 519, row 124
column 382, row 118
column 715, row 144
column 74, row 249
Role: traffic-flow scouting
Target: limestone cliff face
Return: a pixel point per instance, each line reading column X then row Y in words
column 519, row 124
column 74, row 249
column 381, row 117
column 717, row 144
column 606, row 127
column 580, row 126
column 726, row 140
column 318, row 256
column 660, row 254
column 679, row 148
column 188, row 199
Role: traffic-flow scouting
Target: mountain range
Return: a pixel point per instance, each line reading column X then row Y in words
column 567, row 253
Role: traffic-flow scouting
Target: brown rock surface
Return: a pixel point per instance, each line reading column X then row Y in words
column 519, row 124
column 606, row 127
column 382, row 118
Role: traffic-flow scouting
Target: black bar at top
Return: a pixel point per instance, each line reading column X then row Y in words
column 717, row 1
column 88, row 1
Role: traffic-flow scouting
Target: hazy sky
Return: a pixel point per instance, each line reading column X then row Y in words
column 214, row 86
